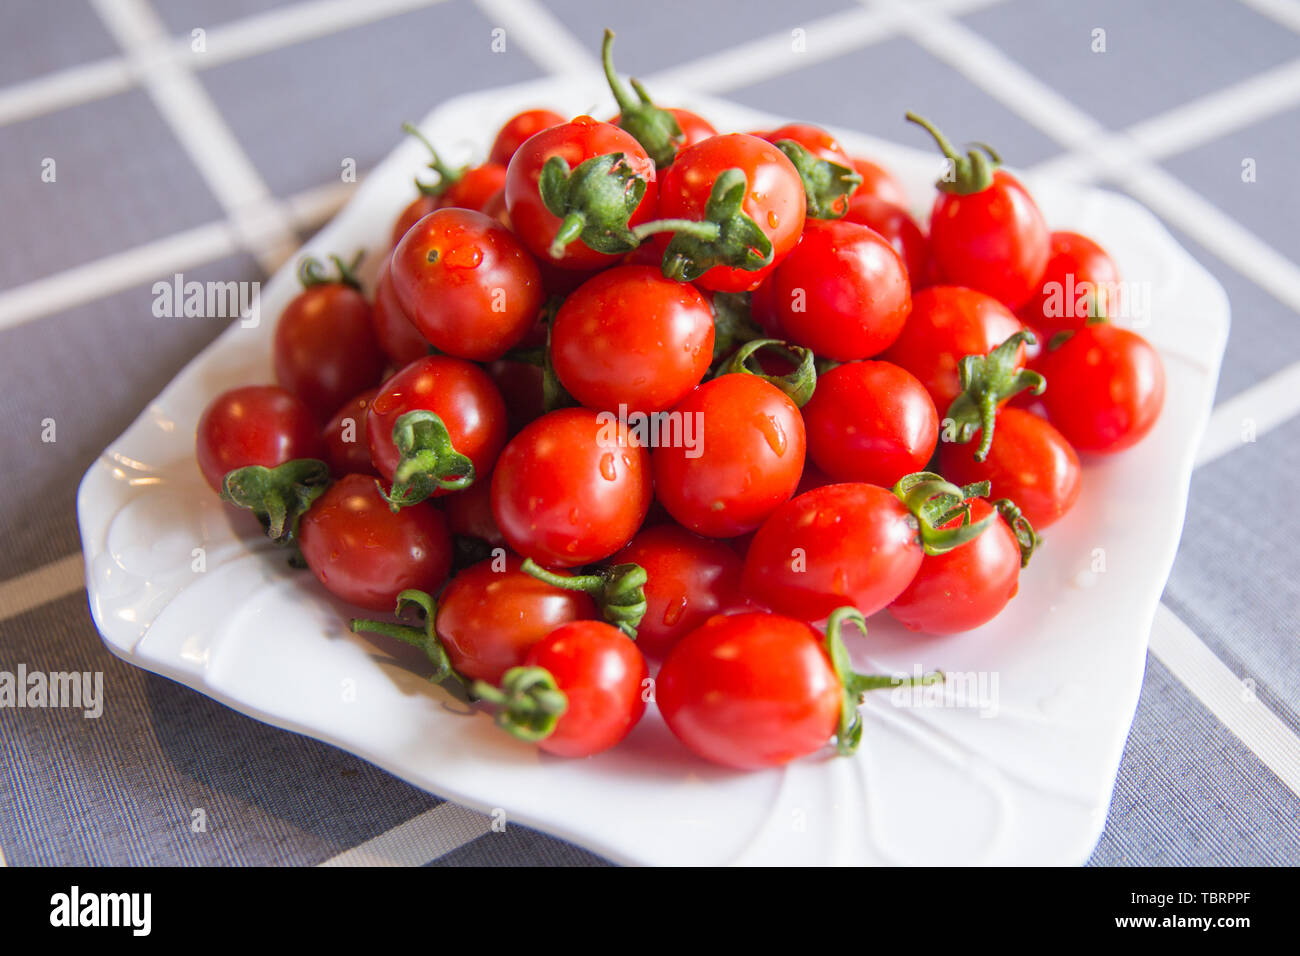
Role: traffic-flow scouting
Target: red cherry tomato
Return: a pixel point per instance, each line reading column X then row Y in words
column 1030, row 462
column 870, row 422
column 947, row 324
column 774, row 201
column 965, row 587
column 366, row 554
column 491, row 615
column 567, row 492
column 347, row 449
column 631, row 337
column 843, row 292
column 467, row 284
column 695, row 128
column 1079, row 275
column 475, row 188
column 1106, row 388
column 517, row 130
column 897, row 226
column 688, row 580
column 400, row 340
column 814, row 139
column 746, row 458
column 602, row 674
column 254, row 425
column 750, row 691
column 879, row 182
column 325, row 350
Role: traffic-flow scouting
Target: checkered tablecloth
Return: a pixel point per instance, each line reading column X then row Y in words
column 141, row 138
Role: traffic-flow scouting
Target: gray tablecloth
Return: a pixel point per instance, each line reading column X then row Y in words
column 204, row 137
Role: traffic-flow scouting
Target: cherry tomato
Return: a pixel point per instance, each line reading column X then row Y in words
column 517, row 130
column 491, row 615
column 347, row 449
column 1106, row 388
column 966, row 587
column 750, row 691
column 745, row 460
column 843, row 292
column 871, row 422
column 366, row 554
column 474, row 188
column 325, row 350
column 879, row 182
column 254, row 425
column 631, row 337
column 947, row 324
column 897, row 226
column 400, row 340
column 1079, row 276
column 1030, row 462
column 467, row 284
column 688, row 580
column 568, row 492
column 814, row 139
column 602, row 674
column 695, row 128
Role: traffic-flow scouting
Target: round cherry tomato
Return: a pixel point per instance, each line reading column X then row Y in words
column 491, row 614
column 400, row 340
column 474, row 188
column 254, row 425
column 843, row 292
column 897, row 226
column 347, row 449
column 947, row 324
column 695, row 128
column 460, row 394
column 631, row 337
column 1029, row 462
column 965, row 587
column 745, row 460
column 568, row 492
column 871, row 422
column 774, row 200
column 466, row 283
column 518, row 129
column 1079, row 278
column 814, row 139
column 1106, row 388
column 688, row 580
column 325, row 349
column 879, row 182
column 750, row 691
column 366, row 554
column 602, row 674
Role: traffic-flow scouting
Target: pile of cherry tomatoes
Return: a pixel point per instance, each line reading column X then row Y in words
column 639, row 389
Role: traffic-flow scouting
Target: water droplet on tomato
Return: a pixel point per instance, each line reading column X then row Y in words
column 773, row 219
column 607, row 469
column 773, row 432
column 463, row 257
column 673, row 612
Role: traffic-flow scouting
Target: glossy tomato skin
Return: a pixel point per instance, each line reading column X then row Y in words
column 843, row 292
column 567, row 492
column 871, row 422
column 576, row 141
column 851, row 543
column 747, row 457
column 995, row 240
column 631, row 337
column 1076, row 269
column 518, row 129
column 475, row 188
column 458, row 392
column 948, row 323
column 689, row 579
column 775, row 199
column 901, row 231
column 491, row 615
column 325, row 350
column 398, row 337
column 602, row 674
column 254, row 425
column 966, row 587
column 347, row 449
column 466, row 283
column 814, row 139
column 1107, row 388
column 364, row 553
column 1030, row 462
column 879, row 182
column 750, row 691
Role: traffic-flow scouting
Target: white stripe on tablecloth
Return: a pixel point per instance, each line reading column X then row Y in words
column 35, row 588
column 1250, row 413
column 540, row 34
column 423, row 838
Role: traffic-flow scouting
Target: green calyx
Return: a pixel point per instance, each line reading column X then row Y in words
column 618, row 590
column 656, row 129
column 529, row 702
column 593, row 202
column 827, row 186
column 429, row 462
column 1095, row 317
column 935, row 502
column 972, row 173
column 733, row 323
column 848, row 734
column 279, row 496
column 424, row 636
column 986, row 382
column 799, row 384
column 312, row 272
column 1026, row 537
column 446, row 174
